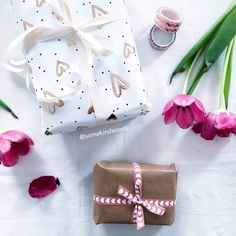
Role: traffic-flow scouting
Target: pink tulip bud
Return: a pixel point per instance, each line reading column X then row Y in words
column 218, row 123
column 13, row 144
column 185, row 110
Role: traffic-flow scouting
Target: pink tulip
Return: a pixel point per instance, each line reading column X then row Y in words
column 220, row 123
column 43, row 186
column 13, row 144
column 185, row 110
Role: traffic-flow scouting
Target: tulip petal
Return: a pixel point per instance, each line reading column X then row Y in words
column 184, row 118
column 208, row 128
column 17, row 137
column 223, row 133
column 170, row 112
column 43, row 186
column 198, row 111
column 197, row 128
column 7, row 156
column 234, row 131
column 225, row 120
column 21, row 148
column 183, row 100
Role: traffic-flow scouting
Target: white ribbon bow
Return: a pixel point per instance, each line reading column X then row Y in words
column 86, row 43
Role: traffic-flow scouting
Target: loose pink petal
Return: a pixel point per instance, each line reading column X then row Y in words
column 197, row 128
column 43, row 186
column 198, row 111
column 184, row 118
column 183, row 100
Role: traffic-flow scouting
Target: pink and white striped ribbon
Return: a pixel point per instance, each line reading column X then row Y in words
column 156, row 206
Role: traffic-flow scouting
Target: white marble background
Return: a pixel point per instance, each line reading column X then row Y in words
column 207, row 170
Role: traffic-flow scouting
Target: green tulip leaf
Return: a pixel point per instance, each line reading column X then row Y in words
column 7, row 108
column 222, row 39
column 202, row 44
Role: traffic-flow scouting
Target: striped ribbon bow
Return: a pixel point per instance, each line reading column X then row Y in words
column 138, row 201
column 155, row 206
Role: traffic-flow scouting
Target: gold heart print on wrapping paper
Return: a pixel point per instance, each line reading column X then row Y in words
column 51, row 107
column 39, row 3
column 27, row 25
column 90, row 110
column 112, row 117
column 61, row 68
column 98, row 11
column 118, row 84
column 128, row 50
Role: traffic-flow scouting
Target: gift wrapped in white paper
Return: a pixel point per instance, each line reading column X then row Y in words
column 84, row 75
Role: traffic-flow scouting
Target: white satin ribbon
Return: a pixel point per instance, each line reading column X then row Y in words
column 84, row 40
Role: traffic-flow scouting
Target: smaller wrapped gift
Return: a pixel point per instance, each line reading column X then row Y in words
column 134, row 193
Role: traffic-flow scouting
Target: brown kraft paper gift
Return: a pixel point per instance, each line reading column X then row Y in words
column 158, row 182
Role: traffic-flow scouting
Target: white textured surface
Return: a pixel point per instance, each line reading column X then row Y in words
column 207, row 170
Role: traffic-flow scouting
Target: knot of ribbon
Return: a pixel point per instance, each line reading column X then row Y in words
column 155, row 206
column 87, row 43
column 138, row 201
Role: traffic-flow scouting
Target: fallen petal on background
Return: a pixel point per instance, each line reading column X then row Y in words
column 43, row 186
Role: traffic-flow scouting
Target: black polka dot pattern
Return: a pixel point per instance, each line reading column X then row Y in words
column 42, row 59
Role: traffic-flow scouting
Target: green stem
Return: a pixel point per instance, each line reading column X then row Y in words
column 230, row 47
column 7, row 108
column 190, row 70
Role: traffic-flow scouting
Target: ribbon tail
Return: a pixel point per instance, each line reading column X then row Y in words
column 134, row 214
column 140, row 218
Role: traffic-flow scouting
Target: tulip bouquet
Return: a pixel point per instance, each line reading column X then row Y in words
column 187, row 110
